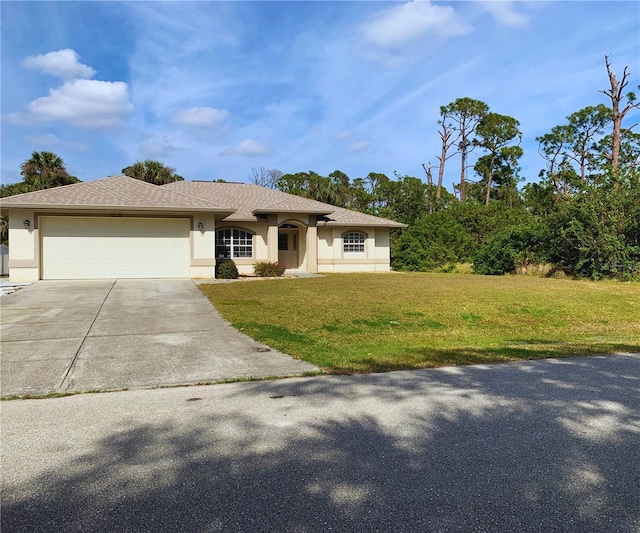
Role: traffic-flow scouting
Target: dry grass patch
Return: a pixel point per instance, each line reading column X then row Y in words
column 379, row 322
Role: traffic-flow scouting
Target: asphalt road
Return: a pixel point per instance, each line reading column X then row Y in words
column 542, row 446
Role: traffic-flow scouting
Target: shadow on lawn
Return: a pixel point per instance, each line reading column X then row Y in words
column 545, row 446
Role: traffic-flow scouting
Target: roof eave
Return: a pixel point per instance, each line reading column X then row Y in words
column 120, row 208
column 397, row 225
column 267, row 211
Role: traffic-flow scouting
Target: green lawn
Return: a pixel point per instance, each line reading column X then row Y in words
column 389, row 321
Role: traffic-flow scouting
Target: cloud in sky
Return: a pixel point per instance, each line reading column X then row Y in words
column 404, row 23
column 63, row 63
column 246, row 148
column 47, row 141
column 358, row 147
column 505, row 12
column 155, row 149
column 214, row 88
column 200, row 117
column 85, row 104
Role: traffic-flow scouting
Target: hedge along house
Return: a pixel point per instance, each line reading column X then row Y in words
column 120, row 227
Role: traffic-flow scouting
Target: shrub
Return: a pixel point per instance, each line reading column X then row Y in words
column 511, row 250
column 227, row 270
column 266, row 269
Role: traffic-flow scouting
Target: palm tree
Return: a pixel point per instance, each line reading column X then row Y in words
column 45, row 170
column 152, row 171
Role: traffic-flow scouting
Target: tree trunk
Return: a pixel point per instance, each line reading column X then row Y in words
column 463, row 166
column 489, row 180
column 617, row 115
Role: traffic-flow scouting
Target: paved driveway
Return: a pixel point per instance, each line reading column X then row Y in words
column 60, row 336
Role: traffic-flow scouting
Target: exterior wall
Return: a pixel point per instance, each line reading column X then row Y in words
column 203, row 261
column 331, row 258
column 24, row 247
column 260, row 248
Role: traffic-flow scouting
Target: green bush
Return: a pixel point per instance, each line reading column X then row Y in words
column 511, row 250
column 596, row 232
column 266, row 269
column 227, row 270
column 452, row 235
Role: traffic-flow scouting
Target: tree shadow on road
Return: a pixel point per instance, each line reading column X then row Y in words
column 549, row 446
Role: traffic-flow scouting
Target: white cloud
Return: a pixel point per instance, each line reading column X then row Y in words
column 200, row 117
column 16, row 119
column 343, row 136
column 504, row 12
column 85, row 103
column 248, row 148
column 49, row 141
column 157, row 148
column 405, row 23
column 63, row 63
column 358, row 147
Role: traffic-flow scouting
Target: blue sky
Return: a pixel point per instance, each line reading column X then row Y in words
column 216, row 88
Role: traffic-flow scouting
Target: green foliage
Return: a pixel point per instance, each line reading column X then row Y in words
column 452, row 235
column 496, row 134
column 227, row 269
column 43, row 170
column 267, row 269
column 596, row 232
column 433, row 241
column 310, row 185
column 152, row 171
column 511, row 250
column 404, row 199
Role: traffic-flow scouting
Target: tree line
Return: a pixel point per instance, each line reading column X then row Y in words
column 582, row 216
column 46, row 170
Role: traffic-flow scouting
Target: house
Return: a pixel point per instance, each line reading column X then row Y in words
column 120, row 227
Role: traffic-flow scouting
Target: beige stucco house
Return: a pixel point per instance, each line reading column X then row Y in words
column 119, row 227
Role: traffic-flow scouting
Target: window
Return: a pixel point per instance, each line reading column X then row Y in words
column 353, row 242
column 234, row 244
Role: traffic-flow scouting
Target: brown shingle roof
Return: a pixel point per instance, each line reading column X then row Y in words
column 120, row 192
column 242, row 201
column 250, row 200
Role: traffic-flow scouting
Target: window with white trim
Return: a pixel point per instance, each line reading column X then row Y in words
column 234, row 243
column 353, row 242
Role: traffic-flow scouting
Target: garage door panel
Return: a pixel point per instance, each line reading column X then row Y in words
column 86, row 248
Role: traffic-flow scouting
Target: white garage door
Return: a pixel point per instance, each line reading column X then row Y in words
column 94, row 248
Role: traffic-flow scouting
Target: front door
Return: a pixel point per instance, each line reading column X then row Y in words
column 288, row 246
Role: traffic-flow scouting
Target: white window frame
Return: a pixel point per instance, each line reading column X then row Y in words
column 239, row 246
column 354, row 243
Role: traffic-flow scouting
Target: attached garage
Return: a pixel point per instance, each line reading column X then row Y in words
column 114, row 247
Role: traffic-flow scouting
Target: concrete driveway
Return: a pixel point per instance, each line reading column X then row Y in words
column 62, row 336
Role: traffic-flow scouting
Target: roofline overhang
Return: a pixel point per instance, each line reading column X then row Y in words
column 119, row 208
column 396, row 225
column 268, row 211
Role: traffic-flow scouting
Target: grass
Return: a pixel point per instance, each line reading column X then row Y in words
column 354, row 323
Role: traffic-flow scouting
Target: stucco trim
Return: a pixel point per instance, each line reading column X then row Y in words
column 24, row 263
column 203, row 262
column 354, row 261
